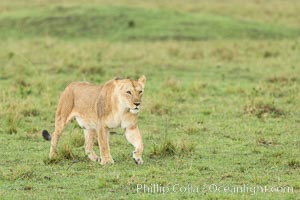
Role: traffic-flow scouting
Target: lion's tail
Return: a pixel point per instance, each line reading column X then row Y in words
column 46, row 135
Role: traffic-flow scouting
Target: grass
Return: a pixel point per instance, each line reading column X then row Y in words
column 125, row 23
column 221, row 103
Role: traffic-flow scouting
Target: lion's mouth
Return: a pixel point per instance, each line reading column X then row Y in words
column 134, row 110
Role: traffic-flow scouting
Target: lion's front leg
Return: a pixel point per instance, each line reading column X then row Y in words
column 89, row 143
column 103, row 141
column 134, row 137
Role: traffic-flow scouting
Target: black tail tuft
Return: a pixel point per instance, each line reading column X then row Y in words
column 46, row 135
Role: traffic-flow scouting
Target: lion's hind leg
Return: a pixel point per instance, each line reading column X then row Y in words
column 59, row 127
column 62, row 117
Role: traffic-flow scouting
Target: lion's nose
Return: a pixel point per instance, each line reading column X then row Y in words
column 137, row 103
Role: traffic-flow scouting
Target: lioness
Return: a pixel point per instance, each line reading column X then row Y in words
column 97, row 108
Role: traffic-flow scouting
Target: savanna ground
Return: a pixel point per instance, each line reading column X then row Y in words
column 221, row 104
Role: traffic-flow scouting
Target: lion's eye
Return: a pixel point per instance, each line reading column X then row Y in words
column 140, row 92
column 128, row 92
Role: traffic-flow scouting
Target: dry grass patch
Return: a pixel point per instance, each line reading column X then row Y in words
column 168, row 148
column 92, row 70
column 263, row 110
column 17, row 173
column 281, row 79
column 66, row 152
column 173, row 84
column 13, row 119
column 294, row 164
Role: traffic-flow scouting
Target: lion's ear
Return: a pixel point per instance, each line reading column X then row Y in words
column 117, row 78
column 142, row 80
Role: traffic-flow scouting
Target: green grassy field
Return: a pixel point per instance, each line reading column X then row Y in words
column 221, row 103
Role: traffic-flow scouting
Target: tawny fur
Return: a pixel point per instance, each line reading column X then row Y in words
column 97, row 108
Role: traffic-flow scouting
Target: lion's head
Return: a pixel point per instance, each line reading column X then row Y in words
column 131, row 93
